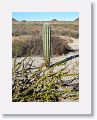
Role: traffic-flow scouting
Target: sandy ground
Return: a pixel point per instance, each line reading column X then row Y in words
column 38, row 61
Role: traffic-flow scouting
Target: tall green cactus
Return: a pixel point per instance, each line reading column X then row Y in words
column 46, row 36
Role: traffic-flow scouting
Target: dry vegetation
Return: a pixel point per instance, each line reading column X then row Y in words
column 34, row 82
column 27, row 37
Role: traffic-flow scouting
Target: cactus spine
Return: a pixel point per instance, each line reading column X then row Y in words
column 46, row 36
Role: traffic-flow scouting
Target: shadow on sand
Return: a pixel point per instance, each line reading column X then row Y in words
column 65, row 60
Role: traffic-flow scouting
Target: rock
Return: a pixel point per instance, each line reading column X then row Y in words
column 74, row 45
column 76, row 87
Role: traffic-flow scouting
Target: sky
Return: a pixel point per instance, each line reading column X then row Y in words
column 45, row 16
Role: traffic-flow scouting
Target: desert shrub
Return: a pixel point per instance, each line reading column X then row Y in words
column 65, row 33
column 21, row 48
column 59, row 46
column 15, row 33
column 40, row 85
column 26, row 29
column 74, row 34
column 34, row 44
column 35, row 32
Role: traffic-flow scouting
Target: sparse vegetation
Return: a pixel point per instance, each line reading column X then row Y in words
column 56, row 83
column 31, row 34
column 43, row 85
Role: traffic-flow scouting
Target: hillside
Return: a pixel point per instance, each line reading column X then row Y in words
column 14, row 20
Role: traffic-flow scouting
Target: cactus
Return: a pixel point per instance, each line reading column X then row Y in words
column 46, row 36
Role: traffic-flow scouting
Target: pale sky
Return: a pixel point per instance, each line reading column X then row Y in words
column 45, row 16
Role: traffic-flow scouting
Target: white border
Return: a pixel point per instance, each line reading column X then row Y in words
column 6, row 104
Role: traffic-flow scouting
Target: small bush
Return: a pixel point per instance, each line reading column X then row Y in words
column 21, row 48
column 59, row 46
